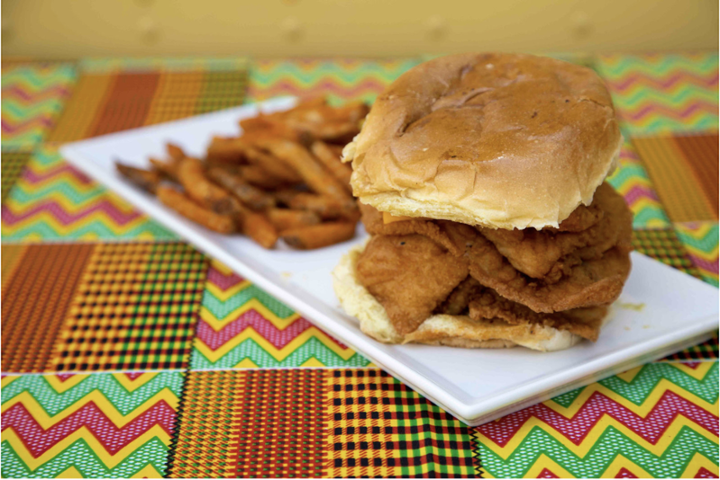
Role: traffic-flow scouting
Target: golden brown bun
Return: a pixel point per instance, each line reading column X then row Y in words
column 499, row 140
column 450, row 330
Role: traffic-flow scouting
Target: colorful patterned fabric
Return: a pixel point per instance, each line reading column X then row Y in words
column 241, row 326
column 53, row 201
column 114, row 306
column 108, row 102
column 684, row 170
column 663, row 245
column 212, row 377
column 658, row 420
column 632, row 181
column 660, row 93
column 12, row 166
column 705, row 351
column 339, row 79
column 701, row 242
column 92, row 426
column 32, row 98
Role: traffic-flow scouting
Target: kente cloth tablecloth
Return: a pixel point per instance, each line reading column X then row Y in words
column 128, row 353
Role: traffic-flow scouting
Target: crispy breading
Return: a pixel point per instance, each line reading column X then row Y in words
column 586, row 269
column 487, row 304
column 548, row 255
column 409, row 275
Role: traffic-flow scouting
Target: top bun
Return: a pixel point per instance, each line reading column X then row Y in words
column 499, row 140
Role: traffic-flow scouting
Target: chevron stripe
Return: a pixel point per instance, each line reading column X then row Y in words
column 633, row 183
column 241, row 326
column 340, row 79
column 701, row 242
column 53, row 200
column 147, row 461
column 32, row 97
column 654, row 420
column 540, row 449
column 663, row 93
column 92, row 424
column 124, row 395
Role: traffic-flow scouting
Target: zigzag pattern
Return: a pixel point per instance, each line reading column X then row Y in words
column 340, row 79
column 242, row 326
column 658, row 420
column 632, row 182
column 91, row 425
column 701, row 242
column 32, row 97
column 52, row 200
column 663, row 93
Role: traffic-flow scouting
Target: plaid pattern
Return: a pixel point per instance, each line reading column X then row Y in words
column 707, row 350
column 206, row 417
column 251, row 424
column 35, row 301
column 381, row 428
column 135, row 309
column 663, row 245
column 13, row 164
column 684, row 171
column 118, row 100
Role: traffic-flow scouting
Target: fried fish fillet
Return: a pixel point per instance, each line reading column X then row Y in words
column 409, row 275
column 548, row 255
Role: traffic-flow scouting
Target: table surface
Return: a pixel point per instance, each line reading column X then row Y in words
column 127, row 353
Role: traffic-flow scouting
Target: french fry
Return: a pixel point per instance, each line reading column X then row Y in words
column 192, row 177
column 258, row 176
column 224, row 151
column 310, row 169
column 249, row 195
column 254, row 123
column 341, row 171
column 318, row 236
column 285, row 195
column 284, row 219
column 148, row 180
column 191, row 210
column 326, row 207
column 274, row 166
column 169, row 169
column 175, row 152
column 256, row 226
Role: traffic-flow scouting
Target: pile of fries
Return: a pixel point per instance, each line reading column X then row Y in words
column 282, row 178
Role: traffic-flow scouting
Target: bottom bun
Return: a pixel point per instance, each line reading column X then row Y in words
column 449, row 330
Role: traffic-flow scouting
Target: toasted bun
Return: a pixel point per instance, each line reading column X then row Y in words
column 499, row 140
column 450, row 330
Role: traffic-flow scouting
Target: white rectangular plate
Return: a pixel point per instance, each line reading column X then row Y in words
column 474, row 385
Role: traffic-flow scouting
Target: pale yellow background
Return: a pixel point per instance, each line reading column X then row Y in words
column 74, row 28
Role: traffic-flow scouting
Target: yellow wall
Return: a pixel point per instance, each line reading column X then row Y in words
column 74, row 28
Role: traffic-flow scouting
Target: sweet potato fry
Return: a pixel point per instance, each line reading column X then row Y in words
column 274, row 166
column 341, row 171
column 326, row 207
column 251, row 196
column 146, row 179
column 256, row 226
column 318, row 236
column 187, row 208
column 224, row 151
column 284, row 219
column 192, row 177
column 255, row 123
column 169, row 169
column 258, row 176
column 284, row 196
column 310, row 169
column 175, row 152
